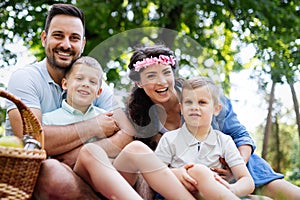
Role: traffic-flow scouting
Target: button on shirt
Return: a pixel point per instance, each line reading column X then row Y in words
column 179, row 147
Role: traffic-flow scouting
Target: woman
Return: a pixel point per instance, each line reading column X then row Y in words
column 153, row 107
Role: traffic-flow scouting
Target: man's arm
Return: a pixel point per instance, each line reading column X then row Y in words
column 16, row 121
column 62, row 139
column 112, row 145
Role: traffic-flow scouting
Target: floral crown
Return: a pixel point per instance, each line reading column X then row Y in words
column 162, row 59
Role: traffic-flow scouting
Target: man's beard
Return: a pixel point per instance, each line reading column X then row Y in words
column 53, row 63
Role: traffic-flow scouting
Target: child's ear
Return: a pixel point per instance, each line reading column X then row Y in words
column 99, row 92
column 64, row 84
column 218, row 108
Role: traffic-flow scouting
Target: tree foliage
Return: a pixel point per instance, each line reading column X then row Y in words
column 218, row 26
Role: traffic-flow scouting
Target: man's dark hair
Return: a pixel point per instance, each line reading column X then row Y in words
column 64, row 9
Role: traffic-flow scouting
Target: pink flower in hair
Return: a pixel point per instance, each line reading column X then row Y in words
column 162, row 59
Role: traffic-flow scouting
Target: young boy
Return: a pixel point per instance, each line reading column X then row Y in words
column 196, row 142
column 83, row 84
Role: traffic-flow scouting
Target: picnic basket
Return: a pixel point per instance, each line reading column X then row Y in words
column 19, row 168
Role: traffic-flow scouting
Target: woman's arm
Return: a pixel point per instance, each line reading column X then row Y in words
column 245, row 151
column 232, row 154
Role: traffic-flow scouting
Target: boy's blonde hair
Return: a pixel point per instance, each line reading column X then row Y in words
column 88, row 61
column 201, row 81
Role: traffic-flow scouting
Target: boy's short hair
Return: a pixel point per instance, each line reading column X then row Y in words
column 201, row 81
column 89, row 61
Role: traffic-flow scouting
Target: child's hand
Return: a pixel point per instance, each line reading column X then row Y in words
column 224, row 182
column 185, row 178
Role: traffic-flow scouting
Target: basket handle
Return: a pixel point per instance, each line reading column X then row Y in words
column 31, row 125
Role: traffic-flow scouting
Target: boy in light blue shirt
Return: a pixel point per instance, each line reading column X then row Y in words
column 82, row 82
column 83, row 85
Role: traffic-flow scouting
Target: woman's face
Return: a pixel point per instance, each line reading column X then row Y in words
column 158, row 82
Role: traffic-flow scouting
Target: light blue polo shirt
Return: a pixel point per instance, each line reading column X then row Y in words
column 69, row 115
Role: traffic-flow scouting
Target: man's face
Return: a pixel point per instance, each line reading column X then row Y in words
column 64, row 42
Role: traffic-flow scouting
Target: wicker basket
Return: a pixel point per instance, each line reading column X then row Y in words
column 19, row 168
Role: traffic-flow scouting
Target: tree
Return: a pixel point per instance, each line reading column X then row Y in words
column 283, row 150
column 105, row 20
column 296, row 107
column 269, row 123
column 272, row 30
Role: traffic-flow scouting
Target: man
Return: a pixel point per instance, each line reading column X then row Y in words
column 39, row 87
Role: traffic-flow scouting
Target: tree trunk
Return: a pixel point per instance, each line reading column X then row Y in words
column 296, row 107
column 277, row 143
column 268, row 123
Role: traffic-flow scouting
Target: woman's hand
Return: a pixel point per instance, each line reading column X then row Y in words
column 102, row 126
column 224, row 172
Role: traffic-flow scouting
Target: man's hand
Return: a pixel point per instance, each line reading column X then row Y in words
column 225, row 171
column 188, row 182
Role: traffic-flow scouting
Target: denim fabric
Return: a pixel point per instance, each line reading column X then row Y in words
column 227, row 122
column 261, row 171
